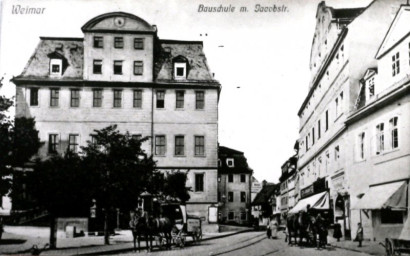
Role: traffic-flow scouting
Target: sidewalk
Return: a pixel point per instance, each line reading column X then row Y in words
column 14, row 242
column 369, row 247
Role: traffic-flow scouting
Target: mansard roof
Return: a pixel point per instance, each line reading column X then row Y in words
column 197, row 70
column 105, row 22
column 240, row 162
column 70, row 49
column 346, row 13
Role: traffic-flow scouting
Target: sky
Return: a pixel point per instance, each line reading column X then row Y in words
column 261, row 59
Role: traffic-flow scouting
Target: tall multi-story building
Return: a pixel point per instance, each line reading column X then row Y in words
column 234, row 186
column 379, row 138
column 344, row 45
column 121, row 73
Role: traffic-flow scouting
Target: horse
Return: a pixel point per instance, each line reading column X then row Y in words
column 161, row 227
column 305, row 228
column 139, row 227
column 293, row 226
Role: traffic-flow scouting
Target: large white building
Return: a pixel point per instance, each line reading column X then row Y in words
column 344, row 46
column 379, row 138
column 121, row 73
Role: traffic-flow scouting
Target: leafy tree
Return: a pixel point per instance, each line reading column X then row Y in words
column 175, row 185
column 121, row 171
column 19, row 141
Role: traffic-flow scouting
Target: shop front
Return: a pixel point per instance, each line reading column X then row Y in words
column 387, row 206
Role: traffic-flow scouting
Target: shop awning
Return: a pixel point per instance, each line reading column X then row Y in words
column 319, row 202
column 391, row 195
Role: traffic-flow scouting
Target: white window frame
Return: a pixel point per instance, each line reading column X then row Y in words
column 178, row 65
column 230, row 162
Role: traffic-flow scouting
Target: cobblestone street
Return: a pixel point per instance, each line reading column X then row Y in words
column 249, row 244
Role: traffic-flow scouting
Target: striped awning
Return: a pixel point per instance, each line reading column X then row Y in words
column 319, row 202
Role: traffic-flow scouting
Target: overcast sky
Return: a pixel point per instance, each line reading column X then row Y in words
column 261, row 59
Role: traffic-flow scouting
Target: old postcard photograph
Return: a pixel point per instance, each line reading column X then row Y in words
column 204, row 127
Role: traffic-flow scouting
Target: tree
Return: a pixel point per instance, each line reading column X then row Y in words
column 19, row 142
column 121, row 171
column 175, row 185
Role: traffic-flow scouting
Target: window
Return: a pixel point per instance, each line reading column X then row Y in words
column 341, row 103
column 307, row 143
column 160, row 99
column 52, row 143
column 93, row 139
column 337, row 107
column 137, row 103
column 55, row 68
column 138, row 68
column 139, row 43
column 54, row 95
column 391, row 217
column 117, row 98
column 179, row 145
column 230, row 162
column 337, row 153
column 243, row 178
column 97, row 67
column 160, row 145
column 118, row 42
column 199, row 100
column 199, row 182
column 73, row 142
column 396, row 64
column 394, row 133
column 318, row 129
column 179, row 99
column 327, row 161
column 313, row 135
column 199, row 145
column 243, row 197
column 75, row 98
column 230, row 196
column 231, row 215
column 97, row 98
column 117, row 67
column 327, row 120
column 33, row 96
column 98, row 42
column 243, row 215
column 230, row 177
column 179, row 70
column 361, row 145
column 371, row 87
column 379, row 138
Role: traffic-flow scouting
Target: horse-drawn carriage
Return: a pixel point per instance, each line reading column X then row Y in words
column 396, row 246
column 166, row 221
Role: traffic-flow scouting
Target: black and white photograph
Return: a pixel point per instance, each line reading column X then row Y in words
column 205, row 127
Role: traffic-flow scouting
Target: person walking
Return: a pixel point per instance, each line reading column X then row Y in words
column 359, row 234
column 321, row 229
column 268, row 230
column 273, row 224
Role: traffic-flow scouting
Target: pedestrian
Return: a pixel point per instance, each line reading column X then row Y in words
column 268, row 230
column 359, row 234
column 337, row 231
column 273, row 227
column 321, row 229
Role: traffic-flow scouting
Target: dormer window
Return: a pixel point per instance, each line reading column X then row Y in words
column 56, row 67
column 180, row 70
column 180, row 64
column 230, row 162
column 58, row 63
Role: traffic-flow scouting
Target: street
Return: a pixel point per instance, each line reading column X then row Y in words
column 250, row 244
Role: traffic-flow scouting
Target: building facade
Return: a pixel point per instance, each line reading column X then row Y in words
column 121, row 73
column 344, row 45
column 379, row 136
column 288, row 192
column 234, row 186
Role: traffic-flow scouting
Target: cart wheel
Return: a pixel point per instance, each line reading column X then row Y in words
column 198, row 236
column 389, row 247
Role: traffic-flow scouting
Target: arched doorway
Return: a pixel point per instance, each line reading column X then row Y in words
column 342, row 214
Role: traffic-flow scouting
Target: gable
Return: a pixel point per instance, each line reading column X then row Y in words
column 118, row 21
column 398, row 30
